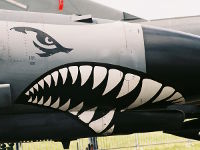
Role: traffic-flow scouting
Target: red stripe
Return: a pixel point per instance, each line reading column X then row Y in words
column 61, row 4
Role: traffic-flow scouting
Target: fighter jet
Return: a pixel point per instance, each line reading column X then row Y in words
column 65, row 77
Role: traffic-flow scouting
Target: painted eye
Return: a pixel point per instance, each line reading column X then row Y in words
column 45, row 41
column 48, row 41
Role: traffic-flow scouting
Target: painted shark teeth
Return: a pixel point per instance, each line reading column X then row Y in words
column 74, row 73
column 97, row 125
column 41, row 101
column 129, row 84
column 47, row 79
column 30, row 100
column 63, row 73
column 41, row 83
column 35, row 100
column 85, row 73
column 116, row 85
column 114, row 77
column 48, row 102
column 76, row 109
column 166, row 92
column 56, row 104
column 65, row 107
column 35, row 87
column 87, row 116
column 55, row 77
column 31, row 90
column 99, row 75
column 149, row 89
column 176, row 96
column 109, row 131
column 27, row 93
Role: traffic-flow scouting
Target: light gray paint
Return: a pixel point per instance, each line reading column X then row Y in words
column 185, row 24
column 80, row 7
column 46, row 18
column 115, row 43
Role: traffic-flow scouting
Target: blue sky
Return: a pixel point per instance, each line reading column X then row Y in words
column 155, row 9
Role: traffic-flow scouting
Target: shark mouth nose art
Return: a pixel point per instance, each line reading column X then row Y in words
column 86, row 89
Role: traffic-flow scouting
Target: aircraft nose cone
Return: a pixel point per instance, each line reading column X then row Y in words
column 174, row 58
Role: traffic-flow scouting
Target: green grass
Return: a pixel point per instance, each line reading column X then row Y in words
column 145, row 141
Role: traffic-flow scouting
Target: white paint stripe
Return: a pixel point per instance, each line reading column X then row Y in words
column 47, row 79
column 76, row 109
column 99, row 75
column 99, row 125
column 56, row 104
column 129, row 84
column 48, row 103
column 74, row 73
column 166, row 92
column 149, row 89
column 85, row 73
column 65, row 107
column 18, row 4
column 55, row 77
column 35, row 101
column 41, row 101
column 114, row 77
column 41, row 83
column 63, row 73
column 87, row 115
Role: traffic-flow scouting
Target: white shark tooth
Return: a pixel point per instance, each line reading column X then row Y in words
column 48, row 102
column 166, row 92
column 99, row 125
column 74, row 73
column 114, row 77
column 36, row 87
column 31, row 90
column 30, row 100
column 47, row 79
column 99, row 75
column 149, row 89
column 35, row 101
column 176, row 96
column 27, row 93
column 76, row 109
column 130, row 83
column 109, row 131
column 85, row 72
column 63, row 73
column 41, row 101
column 56, row 104
column 55, row 77
column 41, row 83
column 65, row 107
column 180, row 101
column 87, row 116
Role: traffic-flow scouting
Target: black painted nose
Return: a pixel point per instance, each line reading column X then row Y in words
column 174, row 58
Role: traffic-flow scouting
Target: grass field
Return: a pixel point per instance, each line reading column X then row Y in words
column 145, row 141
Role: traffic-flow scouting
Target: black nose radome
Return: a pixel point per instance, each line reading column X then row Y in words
column 173, row 57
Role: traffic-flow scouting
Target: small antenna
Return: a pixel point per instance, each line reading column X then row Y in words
column 61, row 4
column 18, row 4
